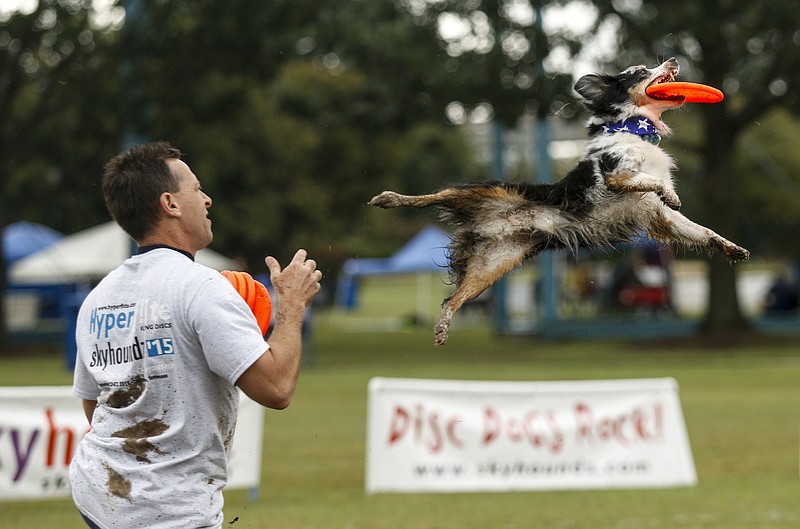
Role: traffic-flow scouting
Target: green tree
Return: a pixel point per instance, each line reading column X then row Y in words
column 767, row 156
column 57, row 87
column 499, row 53
column 293, row 117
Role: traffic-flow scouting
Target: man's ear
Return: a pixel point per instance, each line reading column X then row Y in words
column 169, row 205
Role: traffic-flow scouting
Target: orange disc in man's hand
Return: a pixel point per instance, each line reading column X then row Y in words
column 255, row 294
column 691, row 92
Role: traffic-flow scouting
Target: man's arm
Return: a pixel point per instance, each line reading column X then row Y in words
column 272, row 379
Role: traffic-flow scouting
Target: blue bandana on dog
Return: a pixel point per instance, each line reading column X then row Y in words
column 639, row 125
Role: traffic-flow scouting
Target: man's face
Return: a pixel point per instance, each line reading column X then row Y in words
column 194, row 204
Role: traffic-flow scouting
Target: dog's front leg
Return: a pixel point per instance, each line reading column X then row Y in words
column 675, row 227
column 644, row 183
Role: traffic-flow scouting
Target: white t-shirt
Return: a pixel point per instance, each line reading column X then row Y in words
column 161, row 342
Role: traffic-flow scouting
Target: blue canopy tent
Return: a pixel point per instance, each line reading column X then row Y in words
column 21, row 239
column 425, row 252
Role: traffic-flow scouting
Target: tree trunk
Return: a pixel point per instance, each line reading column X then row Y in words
column 719, row 186
column 724, row 315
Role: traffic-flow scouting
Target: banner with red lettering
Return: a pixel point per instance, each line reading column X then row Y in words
column 40, row 428
column 464, row 436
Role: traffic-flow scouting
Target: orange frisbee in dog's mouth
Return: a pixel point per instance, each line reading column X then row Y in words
column 691, row 92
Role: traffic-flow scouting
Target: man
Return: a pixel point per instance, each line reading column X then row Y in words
column 162, row 344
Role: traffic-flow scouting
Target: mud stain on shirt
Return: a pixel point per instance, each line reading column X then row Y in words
column 122, row 398
column 226, row 430
column 136, row 438
column 117, row 485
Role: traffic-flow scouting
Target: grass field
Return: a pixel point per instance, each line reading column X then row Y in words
column 741, row 404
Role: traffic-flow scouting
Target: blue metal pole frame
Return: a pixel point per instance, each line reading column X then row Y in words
column 499, row 306
column 547, row 260
column 549, row 290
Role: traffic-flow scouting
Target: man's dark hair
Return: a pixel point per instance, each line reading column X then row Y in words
column 133, row 183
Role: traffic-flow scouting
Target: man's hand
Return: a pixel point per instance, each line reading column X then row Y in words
column 298, row 283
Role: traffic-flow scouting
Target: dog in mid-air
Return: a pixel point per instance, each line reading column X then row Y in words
column 620, row 188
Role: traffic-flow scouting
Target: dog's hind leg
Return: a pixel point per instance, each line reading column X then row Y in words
column 675, row 227
column 488, row 262
column 390, row 199
column 463, row 197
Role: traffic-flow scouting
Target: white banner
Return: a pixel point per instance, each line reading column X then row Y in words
column 40, row 428
column 463, row 436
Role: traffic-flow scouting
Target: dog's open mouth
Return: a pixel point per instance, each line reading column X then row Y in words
column 668, row 77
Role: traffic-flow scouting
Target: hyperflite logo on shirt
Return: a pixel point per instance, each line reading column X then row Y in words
column 110, row 320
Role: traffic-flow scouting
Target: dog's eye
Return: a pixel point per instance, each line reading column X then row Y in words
column 635, row 69
column 633, row 76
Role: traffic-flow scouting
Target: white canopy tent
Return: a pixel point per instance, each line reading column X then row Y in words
column 88, row 256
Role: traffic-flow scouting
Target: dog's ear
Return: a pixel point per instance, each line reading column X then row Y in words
column 592, row 85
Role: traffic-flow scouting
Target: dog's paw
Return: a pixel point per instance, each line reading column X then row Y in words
column 736, row 253
column 671, row 199
column 440, row 336
column 442, row 329
column 387, row 199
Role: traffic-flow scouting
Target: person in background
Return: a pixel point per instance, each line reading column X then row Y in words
column 162, row 345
